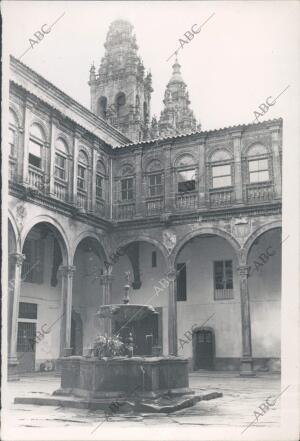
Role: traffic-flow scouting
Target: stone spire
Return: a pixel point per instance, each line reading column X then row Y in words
column 177, row 117
column 121, row 91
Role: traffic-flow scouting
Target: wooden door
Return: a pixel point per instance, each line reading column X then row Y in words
column 204, row 350
column 26, row 346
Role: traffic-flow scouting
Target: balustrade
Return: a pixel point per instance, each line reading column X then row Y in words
column 187, row 200
column 154, row 206
column 81, row 200
column 260, row 192
column 35, row 178
column 60, row 191
column 100, row 207
column 126, row 211
column 221, row 198
column 12, row 172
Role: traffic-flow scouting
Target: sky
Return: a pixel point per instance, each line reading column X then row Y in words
column 246, row 52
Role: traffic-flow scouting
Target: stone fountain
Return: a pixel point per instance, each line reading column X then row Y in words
column 143, row 381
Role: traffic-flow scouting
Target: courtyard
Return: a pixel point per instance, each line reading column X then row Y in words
column 241, row 397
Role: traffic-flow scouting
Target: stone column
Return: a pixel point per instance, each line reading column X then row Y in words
column 106, row 282
column 14, row 287
column 275, row 131
column 172, row 313
column 246, row 368
column 202, row 175
column 67, row 273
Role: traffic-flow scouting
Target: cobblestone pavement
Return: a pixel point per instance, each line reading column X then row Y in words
column 241, row 397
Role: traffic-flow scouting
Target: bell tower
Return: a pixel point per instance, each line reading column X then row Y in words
column 121, row 91
column 177, row 116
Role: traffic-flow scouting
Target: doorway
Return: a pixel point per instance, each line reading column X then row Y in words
column 204, row 348
column 26, row 346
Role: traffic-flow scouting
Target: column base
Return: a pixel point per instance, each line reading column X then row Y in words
column 67, row 352
column 246, row 367
column 12, row 369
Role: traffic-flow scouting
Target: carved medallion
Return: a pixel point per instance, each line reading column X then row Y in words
column 241, row 228
column 169, row 240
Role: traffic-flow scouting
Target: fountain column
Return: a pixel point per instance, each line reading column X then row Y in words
column 172, row 313
column 67, row 273
column 106, row 282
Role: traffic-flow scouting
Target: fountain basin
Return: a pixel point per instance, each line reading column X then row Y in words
column 120, row 377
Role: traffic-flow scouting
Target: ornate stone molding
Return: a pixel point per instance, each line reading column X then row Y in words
column 18, row 258
column 67, row 271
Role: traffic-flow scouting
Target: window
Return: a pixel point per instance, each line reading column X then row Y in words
column 36, row 143
column 120, row 104
column 154, row 259
column 28, row 310
column 221, row 176
column 181, row 281
column 60, row 166
column 258, row 170
column 99, row 186
column 186, row 181
column 223, row 279
column 127, row 189
column 35, row 153
column 82, row 171
column 155, row 184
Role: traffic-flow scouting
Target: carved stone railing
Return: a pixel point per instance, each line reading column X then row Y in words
column 61, row 191
column 186, row 201
column 154, row 205
column 35, row 178
column 221, row 198
column 82, row 199
column 100, row 207
column 223, row 294
column 259, row 192
column 125, row 211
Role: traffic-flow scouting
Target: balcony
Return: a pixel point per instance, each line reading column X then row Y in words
column 12, row 171
column 221, row 197
column 125, row 211
column 259, row 192
column 186, row 201
column 35, row 177
column 100, row 208
column 82, row 200
column 61, row 191
column 154, row 205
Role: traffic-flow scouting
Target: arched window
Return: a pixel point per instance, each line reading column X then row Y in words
column 100, row 180
column 258, row 164
column 221, row 169
column 82, row 175
column 155, row 178
column 120, row 104
column 36, row 144
column 185, row 174
column 127, row 184
column 137, row 103
column 145, row 111
column 13, row 133
column 61, row 154
column 102, row 107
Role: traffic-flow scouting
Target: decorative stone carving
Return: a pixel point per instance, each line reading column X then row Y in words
column 169, row 240
column 241, row 228
column 21, row 213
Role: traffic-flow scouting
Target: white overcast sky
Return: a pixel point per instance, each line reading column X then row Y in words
column 245, row 53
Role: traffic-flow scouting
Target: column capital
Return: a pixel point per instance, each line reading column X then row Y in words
column 243, row 270
column 18, row 258
column 67, row 271
column 105, row 279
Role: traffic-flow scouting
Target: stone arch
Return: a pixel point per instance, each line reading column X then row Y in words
column 204, row 230
column 258, row 144
column 126, row 169
column 185, row 157
column 264, row 228
column 86, row 235
column 143, row 238
column 216, row 154
column 42, row 126
column 65, row 140
column 61, row 236
column 153, row 165
column 15, row 228
column 18, row 115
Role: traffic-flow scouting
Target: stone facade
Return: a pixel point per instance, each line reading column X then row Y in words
column 79, row 187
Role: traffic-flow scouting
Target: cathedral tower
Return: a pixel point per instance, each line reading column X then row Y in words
column 176, row 117
column 121, row 92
